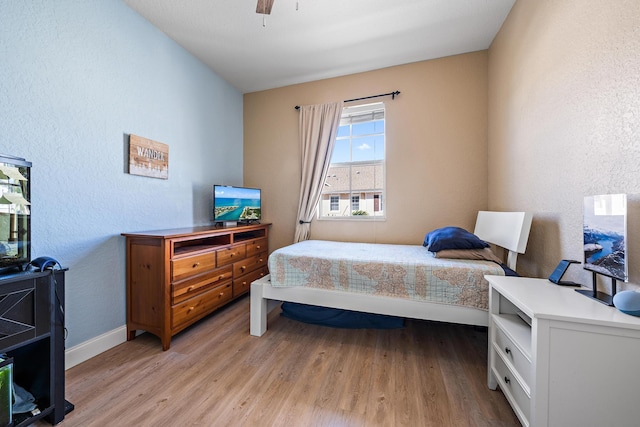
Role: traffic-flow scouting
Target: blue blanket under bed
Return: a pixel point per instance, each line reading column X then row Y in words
column 339, row 318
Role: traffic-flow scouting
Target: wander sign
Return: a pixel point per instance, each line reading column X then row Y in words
column 148, row 158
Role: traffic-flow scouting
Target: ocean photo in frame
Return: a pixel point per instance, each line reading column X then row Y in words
column 605, row 235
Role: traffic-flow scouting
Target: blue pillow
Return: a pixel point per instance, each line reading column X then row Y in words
column 452, row 238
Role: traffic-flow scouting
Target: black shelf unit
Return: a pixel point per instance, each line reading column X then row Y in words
column 32, row 333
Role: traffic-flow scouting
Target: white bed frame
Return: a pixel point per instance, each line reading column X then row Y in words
column 509, row 230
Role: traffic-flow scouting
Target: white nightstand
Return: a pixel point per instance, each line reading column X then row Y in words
column 560, row 358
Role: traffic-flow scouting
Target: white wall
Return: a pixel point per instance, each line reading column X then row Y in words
column 76, row 77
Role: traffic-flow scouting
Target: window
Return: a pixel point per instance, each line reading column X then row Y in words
column 335, row 203
column 354, row 187
column 355, row 203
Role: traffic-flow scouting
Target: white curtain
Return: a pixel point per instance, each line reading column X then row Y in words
column 318, row 129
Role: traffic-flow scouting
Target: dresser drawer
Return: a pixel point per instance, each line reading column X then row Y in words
column 242, row 284
column 256, row 246
column 183, row 268
column 249, row 264
column 513, row 354
column 519, row 399
column 229, row 255
column 194, row 308
column 191, row 287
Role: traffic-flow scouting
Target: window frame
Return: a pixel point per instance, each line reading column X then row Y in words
column 369, row 198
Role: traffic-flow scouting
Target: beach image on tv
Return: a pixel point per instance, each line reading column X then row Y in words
column 236, row 204
column 605, row 231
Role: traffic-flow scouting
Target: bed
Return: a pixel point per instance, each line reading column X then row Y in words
column 404, row 276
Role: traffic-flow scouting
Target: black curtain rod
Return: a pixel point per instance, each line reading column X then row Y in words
column 392, row 94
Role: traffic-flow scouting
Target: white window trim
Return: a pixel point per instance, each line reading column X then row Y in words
column 383, row 192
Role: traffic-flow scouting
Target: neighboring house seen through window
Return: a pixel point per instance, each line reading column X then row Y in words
column 354, row 187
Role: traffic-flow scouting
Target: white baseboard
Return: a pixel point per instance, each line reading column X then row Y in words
column 88, row 349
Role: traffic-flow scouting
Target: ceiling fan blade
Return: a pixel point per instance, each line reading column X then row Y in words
column 264, row 6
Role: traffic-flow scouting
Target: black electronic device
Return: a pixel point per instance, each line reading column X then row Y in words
column 44, row 263
column 559, row 272
column 236, row 205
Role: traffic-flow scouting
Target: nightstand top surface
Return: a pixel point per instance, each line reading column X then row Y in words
column 541, row 299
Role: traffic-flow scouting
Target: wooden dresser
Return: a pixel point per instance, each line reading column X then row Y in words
column 176, row 277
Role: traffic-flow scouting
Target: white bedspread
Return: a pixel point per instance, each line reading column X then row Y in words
column 403, row 271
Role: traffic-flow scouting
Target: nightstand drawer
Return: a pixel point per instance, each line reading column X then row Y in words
column 511, row 352
column 509, row 384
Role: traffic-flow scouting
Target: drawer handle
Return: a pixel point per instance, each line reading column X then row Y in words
column 231, row 254
column 244, row 283
column 243, row 268
column 190, row 288
column 221, row 277
column 507, row 350
column 221, row 294
column 258, row 246
column 507, row 380
column 190, row 309
column 196, row 264
column 260, row 260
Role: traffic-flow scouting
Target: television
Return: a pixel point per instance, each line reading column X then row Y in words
column 15, row 213
column 239, row 204
column 604, row 232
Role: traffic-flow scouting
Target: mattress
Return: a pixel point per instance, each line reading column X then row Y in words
column 400, row 271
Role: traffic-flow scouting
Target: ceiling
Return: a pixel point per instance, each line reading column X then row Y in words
column 322, row 38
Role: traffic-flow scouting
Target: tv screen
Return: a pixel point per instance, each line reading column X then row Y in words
column 236, row 203
column 605, row 235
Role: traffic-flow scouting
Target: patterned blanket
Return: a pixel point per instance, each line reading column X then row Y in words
column 402, row 271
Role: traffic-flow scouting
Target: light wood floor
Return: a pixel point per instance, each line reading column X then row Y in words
column 216, row 374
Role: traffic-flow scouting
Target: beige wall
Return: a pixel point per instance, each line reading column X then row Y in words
column 564, row 121
column 436, row 149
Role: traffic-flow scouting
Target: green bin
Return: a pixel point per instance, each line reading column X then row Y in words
column 6, row 387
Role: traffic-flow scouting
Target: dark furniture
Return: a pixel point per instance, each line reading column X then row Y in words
column 32, row 333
